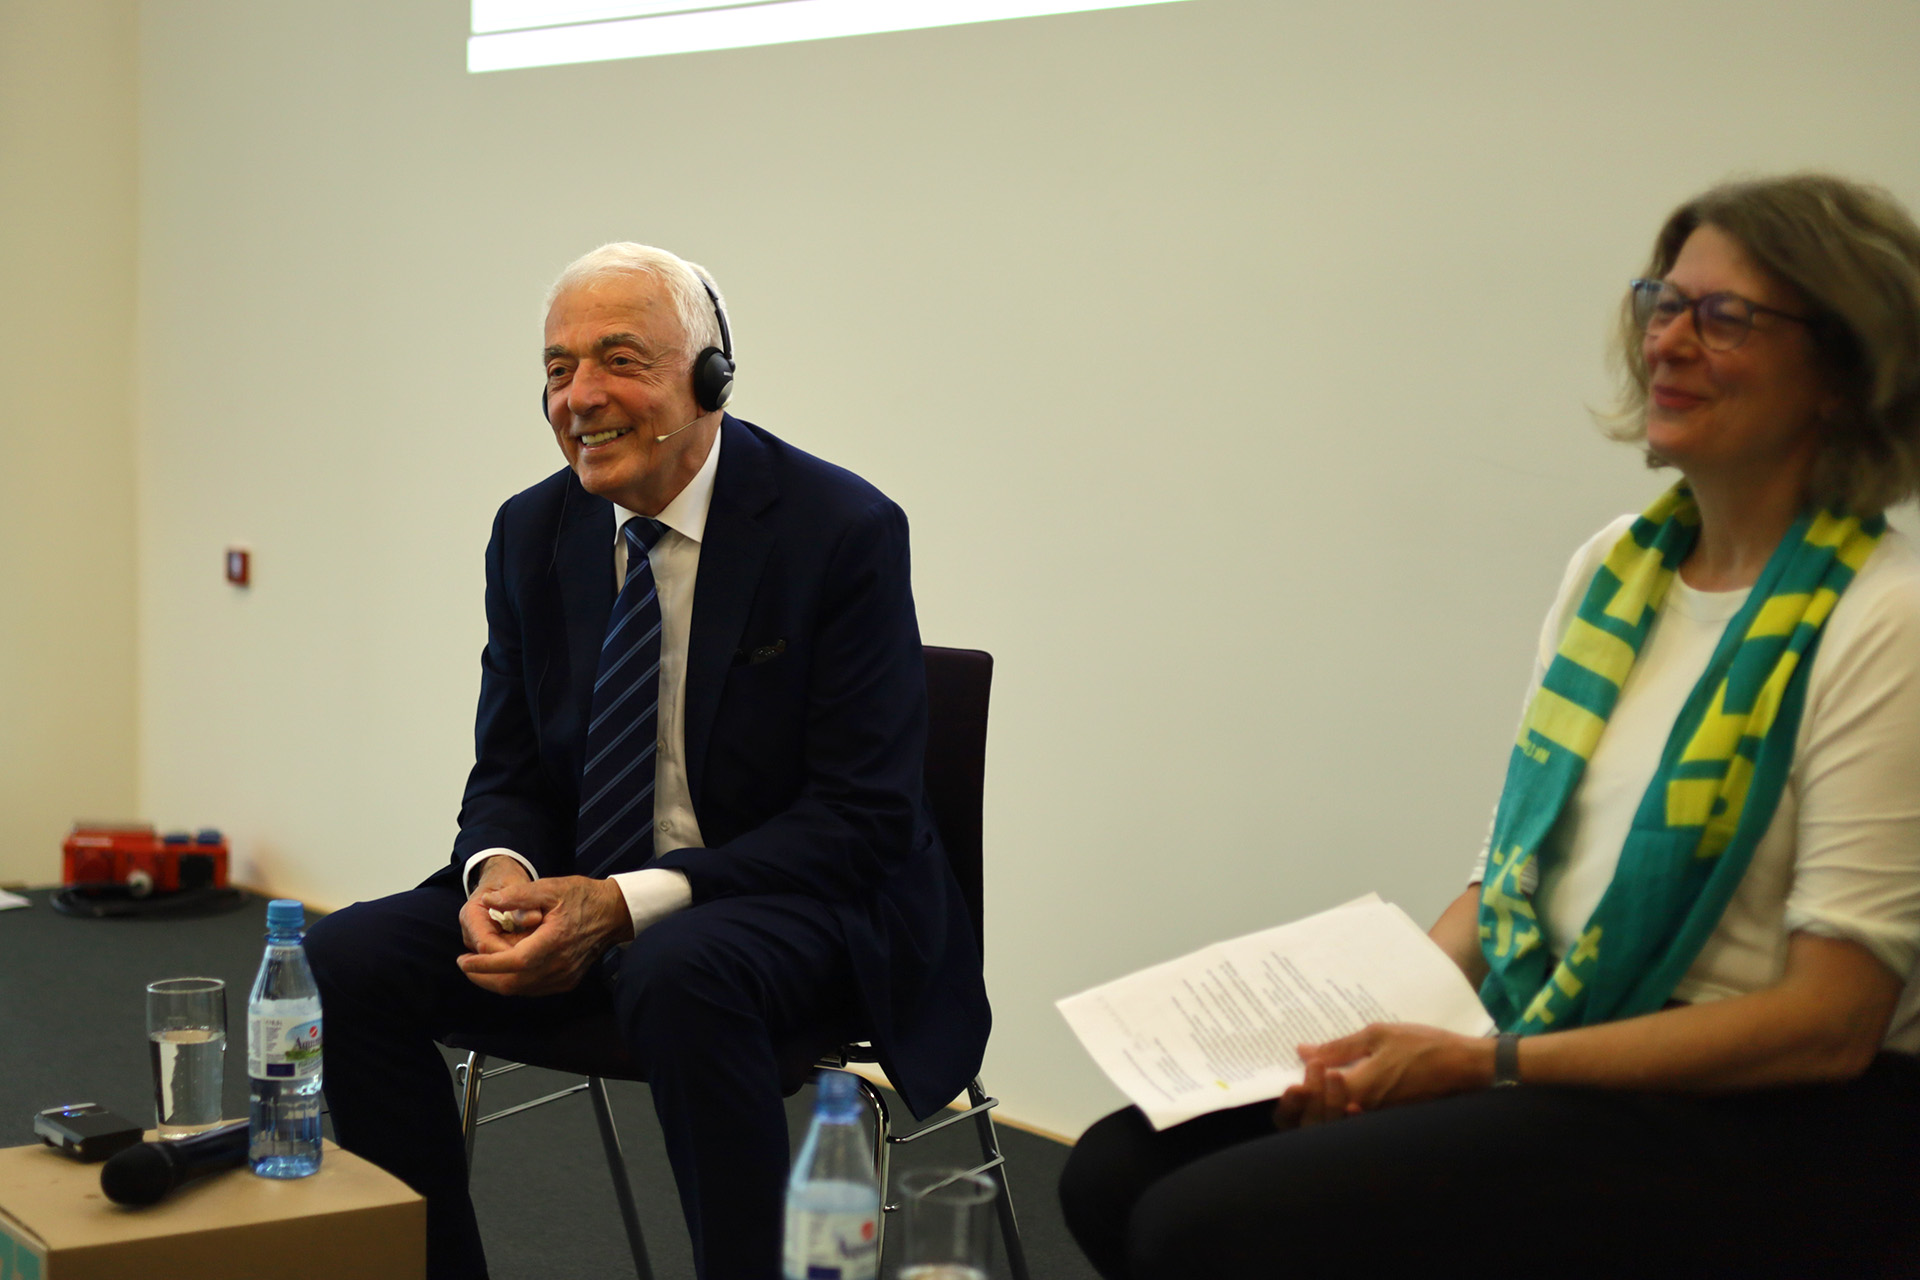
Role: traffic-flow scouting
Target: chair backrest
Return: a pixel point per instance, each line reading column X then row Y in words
column 958, row 684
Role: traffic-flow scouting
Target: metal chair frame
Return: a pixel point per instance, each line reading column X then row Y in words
column 953, row 693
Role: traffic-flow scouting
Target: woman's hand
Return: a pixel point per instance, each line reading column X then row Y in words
column 1321, row 1097
column 1383, row 1065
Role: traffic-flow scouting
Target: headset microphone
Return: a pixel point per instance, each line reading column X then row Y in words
column 676, row 431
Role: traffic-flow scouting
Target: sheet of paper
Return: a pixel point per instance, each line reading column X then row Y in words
column 1217, row 1028
column 10, row 900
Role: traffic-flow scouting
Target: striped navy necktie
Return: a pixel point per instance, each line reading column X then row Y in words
column 616, row 787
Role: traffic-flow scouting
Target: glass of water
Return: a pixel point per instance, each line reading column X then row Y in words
column 948, row 1213
column 187, row 1032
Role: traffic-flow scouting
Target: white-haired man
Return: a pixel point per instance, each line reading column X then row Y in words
column 696, row 800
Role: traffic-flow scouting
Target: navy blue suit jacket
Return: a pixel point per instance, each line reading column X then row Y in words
column 806, row 714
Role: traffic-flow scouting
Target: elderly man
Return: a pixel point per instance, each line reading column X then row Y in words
column 696, row 800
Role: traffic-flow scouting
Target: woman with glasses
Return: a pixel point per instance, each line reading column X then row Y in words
column 1699, row 909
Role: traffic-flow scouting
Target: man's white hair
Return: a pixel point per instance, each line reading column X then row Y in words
column 691, row 306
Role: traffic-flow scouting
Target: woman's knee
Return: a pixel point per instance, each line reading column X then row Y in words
column 1106, row 1173
column 1184, row 1226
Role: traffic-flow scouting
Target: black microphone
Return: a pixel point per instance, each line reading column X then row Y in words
column 142, row 1174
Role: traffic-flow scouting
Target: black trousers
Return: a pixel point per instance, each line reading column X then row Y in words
column 1814, row 1180
column 702, row 998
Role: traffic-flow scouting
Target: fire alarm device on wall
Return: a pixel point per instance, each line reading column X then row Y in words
column 239, row 566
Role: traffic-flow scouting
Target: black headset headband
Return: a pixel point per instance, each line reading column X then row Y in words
column 720, row 314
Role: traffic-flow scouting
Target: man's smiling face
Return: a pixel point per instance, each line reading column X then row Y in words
column 617, row 378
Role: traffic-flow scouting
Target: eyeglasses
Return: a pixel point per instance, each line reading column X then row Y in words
column 1722, row 320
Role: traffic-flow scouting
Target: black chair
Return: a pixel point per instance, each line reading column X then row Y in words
column 958, row 684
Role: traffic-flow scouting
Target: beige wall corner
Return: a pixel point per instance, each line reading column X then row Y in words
column 68, row 95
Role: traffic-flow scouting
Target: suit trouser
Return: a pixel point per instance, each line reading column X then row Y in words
column 1815, row 1180
column 702, row 998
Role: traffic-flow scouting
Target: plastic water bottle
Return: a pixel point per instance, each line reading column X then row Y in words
column 833, row 1203
column 283, row 1052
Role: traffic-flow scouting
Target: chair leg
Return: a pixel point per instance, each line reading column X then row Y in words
column 882, row 1155
column 617, row 1167
column 470, row 1073
column 1003, row 1204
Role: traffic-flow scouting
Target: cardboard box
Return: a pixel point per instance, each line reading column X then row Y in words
column 350, row 1219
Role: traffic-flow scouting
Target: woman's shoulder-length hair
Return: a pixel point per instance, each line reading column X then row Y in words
column 1852, row 253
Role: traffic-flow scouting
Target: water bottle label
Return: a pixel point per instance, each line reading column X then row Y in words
column 21, row 1257
column 831, row 1246
column 283, row 1048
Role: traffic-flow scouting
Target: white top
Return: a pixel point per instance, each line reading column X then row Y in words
column 1841, row 857
column 653, row 893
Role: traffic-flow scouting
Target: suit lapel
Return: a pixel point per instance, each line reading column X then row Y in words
column 733, row 551
column 583, row 576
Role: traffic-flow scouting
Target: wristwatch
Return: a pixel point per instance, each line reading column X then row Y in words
column 1506, row 1060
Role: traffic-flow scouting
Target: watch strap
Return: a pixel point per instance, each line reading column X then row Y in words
column 1506, row 1060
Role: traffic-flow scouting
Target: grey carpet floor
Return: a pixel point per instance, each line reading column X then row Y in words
column 72, row 1018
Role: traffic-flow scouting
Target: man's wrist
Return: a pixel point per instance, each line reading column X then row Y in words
column 653, row 894
column 613, row 908
column 474, row 871
column 498, row 870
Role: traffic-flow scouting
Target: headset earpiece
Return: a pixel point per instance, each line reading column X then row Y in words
column 545, row 412
column 713, row 367
column 712, row 379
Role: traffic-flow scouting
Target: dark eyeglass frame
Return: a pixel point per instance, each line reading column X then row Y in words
column 1713, row 313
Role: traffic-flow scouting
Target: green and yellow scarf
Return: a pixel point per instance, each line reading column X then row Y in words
column 1712, row 797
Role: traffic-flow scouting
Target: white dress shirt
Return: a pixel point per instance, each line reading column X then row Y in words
column 653, row 893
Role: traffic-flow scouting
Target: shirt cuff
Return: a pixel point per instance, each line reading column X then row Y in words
column 466, row 872
column 653, row 894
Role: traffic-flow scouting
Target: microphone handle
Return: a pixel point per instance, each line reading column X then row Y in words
column 218, row 1148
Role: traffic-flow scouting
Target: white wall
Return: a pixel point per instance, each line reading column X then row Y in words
column 67, row 626
column 1231, row 359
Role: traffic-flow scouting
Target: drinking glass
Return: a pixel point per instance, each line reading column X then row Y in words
column 947, row 1215
column 187, row 1031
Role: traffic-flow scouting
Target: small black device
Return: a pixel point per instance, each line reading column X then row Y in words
column 712, row 368
column 85, row 1130
column 145, row 1172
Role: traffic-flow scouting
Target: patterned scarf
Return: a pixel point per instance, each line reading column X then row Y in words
column 1712, row 797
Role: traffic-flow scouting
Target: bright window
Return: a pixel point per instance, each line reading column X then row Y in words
column 540, row 33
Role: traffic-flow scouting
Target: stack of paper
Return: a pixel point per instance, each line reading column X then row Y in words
column 1218, row 1028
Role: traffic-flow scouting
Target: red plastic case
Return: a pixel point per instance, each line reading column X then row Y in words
column 135, row 855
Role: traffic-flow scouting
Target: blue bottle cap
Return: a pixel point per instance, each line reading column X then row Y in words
column 286, row 913
column 176, row 837
column 207, row 835
column 836, row 1092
